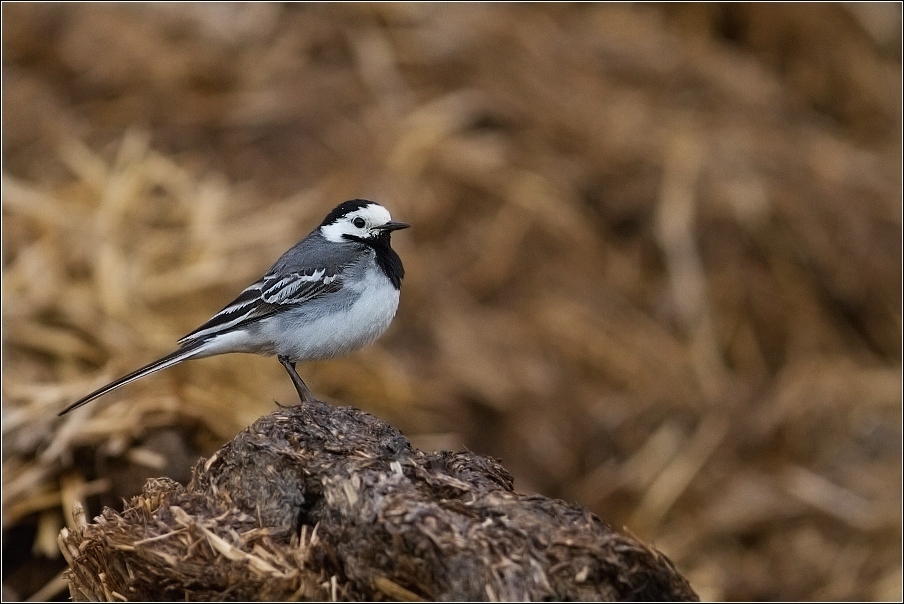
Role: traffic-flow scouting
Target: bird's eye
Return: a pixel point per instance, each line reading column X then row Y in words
column 358, row 222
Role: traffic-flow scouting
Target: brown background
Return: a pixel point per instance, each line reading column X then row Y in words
column 655, row 262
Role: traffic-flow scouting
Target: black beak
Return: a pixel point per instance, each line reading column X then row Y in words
column 393, row 226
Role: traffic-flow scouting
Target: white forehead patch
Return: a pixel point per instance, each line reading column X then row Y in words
column 373, row 214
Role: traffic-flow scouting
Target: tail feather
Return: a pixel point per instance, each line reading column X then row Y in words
column 169, row 360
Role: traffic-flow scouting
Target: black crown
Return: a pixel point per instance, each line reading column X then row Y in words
column 345, row 208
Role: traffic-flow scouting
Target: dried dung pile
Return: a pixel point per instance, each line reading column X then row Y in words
column 321, row 503
column 655, row 261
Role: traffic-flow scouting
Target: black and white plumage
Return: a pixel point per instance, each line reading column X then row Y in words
column 333, row 292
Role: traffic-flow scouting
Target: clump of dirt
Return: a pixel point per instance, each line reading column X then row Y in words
column 331, row 503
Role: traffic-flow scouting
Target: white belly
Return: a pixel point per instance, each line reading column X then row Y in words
column 338, row 331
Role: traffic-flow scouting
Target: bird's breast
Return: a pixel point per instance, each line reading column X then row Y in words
column 337, row 324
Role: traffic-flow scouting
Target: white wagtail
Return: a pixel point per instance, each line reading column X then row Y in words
column 334, row 292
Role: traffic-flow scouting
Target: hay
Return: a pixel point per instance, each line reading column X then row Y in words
column 655, row 264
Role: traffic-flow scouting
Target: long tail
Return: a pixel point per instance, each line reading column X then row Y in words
column 169, row 360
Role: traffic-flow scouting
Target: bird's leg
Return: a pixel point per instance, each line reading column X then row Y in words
column 304, row 393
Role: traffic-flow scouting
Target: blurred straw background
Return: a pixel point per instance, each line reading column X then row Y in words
column 655, row 262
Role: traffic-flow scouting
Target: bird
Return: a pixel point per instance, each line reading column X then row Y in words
column 333, row 292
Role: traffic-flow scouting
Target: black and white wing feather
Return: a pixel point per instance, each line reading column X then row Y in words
column 274, row 293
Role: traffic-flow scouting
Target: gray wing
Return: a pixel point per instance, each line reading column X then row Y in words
column 307, row 271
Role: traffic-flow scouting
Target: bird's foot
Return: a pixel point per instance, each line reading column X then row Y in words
column 304, row 393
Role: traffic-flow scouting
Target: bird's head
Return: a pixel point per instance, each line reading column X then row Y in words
column 359, row 220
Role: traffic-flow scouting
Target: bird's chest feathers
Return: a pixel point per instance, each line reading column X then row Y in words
column 365, row 311
column 374, row 308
